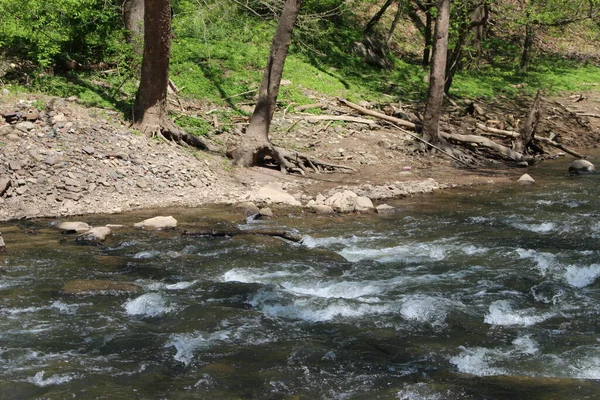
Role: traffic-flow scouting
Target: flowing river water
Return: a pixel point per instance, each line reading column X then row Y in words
column 481, row 293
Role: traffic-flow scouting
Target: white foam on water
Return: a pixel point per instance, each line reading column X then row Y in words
column 526, row 345
column 39, row 380
column 501, row 313
column 479, row 361
column 409, row 252
column 425, row 309
column 173, row 286
column 145, row 255
column 328, row 289
column 149, row 304
column 64, row 307
column 422, row 391
column 544, row 227
column 186, row 344
column 586, row 367
column 273, row 304
column 312, row 242
column 254, row 276
column 582, row 276
column 546, row 262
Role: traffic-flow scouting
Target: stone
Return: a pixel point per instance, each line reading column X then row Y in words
column 343, row 202
column 157, row 223
column 249, row 207
column 97, row 234
column 50, row 160
column 4, row 185
column 2, row 244
column 265, row 212
column 89, row 150
column 321, row 209
column 363, row 204
column 25, row 126
column 74, row 226
column 14, row 165
column 384, row 208
column 98, row 286
column 21, row 190
column 581, row 167
column 526, row 179
column 271, row 195
column 6, row 129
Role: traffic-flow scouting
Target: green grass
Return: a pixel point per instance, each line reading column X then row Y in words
column 219, row 54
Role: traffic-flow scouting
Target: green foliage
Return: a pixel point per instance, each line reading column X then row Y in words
column 51, row 31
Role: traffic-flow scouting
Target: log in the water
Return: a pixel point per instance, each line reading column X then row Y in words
column 293, row 236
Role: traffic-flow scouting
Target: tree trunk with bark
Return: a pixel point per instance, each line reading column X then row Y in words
column 395, row 23
column 527, row 46
column 435, row 98
column 256, row 144
column 133, row 19
column 150, row 114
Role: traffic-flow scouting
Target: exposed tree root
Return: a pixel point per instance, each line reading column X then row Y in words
column 168, row 130
column 288, row 161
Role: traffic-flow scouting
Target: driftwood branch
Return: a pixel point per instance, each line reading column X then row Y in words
column 530, row 126
column 293, row 236
column 366, row 111
column 346, row 118
column 560, row 146
column 572, row 114
column 497, row 132
column 503, row 151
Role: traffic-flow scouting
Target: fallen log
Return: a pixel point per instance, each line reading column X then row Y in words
column 503, row 151
column 292, row 236
column 559, row 146
column 497, row 132
column 584, row 114
column 366, row 111
column 308, row 106
column 345, row 118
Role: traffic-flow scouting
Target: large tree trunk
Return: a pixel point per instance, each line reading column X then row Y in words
column 133, row 19
column 150, row 114
column 435, row 98
column 256, row 144
column 527, row 45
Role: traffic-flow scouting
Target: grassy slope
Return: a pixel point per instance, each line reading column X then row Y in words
column 218, row 57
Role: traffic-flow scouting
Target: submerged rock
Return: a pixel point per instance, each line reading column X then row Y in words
column 97, row 234
column 75, row 226
column 97, row 286
column 157, row 223
column 581, row 167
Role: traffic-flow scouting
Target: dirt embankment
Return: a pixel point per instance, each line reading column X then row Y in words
column 68, row 160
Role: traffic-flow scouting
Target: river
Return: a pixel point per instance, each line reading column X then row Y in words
column 488, row 292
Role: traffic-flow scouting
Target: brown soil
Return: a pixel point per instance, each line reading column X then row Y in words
column 72, row 160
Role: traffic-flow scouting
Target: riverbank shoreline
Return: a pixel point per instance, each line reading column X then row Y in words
column 64, row 159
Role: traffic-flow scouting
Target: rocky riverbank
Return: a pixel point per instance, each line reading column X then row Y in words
column 59, row 158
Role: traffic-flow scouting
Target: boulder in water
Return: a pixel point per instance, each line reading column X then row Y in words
column 157, row 223
column 2, row 245
column 581, row 167
column 75, row 226
column 526, row 179
column 97, row 234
